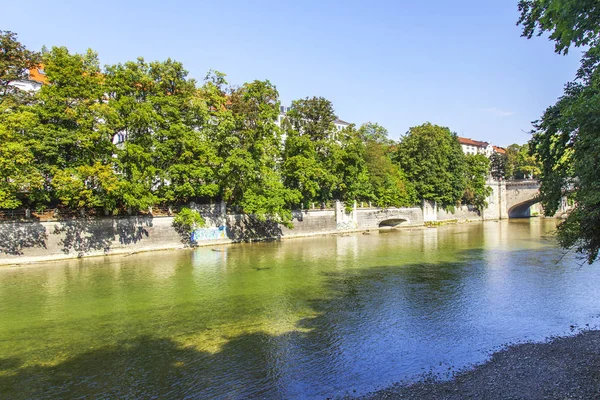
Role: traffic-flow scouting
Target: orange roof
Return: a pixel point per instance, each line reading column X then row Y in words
column 37, row 74
column 472, row 142
column 500, row 150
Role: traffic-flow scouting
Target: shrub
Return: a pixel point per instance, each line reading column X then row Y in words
column 187, row 220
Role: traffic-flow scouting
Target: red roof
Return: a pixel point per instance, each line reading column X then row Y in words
column 472, row 142
column 500, row 150
column 37, row 74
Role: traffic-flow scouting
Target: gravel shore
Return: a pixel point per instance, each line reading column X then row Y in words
column 563, row 368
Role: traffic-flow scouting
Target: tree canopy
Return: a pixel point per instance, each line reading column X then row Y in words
column 434, row 162
column 129, row 136
column 566, row 137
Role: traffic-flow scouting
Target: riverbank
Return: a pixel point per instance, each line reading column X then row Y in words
column 178, row 245
column 563, row 368
column 26, row 242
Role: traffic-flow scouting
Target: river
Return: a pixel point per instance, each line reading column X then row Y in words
column 305, row 318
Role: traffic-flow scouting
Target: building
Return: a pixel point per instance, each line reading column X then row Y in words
column 470, row 146
column 35, row 79
column 283, row 110
column 499, row 150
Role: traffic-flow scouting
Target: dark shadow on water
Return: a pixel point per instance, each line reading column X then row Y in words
column 148, row 367
column 259, row 365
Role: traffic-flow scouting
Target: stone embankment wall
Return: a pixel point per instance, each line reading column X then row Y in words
column 30, row 241
column 463, row 212
column 26, row 241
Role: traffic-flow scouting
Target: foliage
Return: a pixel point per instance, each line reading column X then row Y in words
column 520, row 164
column 477, row 171
column 187, row 220
column 310, row 150
column 373, row 132
column 498, row 163
column 566, row 137
column 569, row 22
column 15, row 61
column 434, row 163
column 137, row 134
column 388, row 182
column 20, row 179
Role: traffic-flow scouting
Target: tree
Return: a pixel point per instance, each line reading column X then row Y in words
column 249, row 174
column 520, row 164
column 433, row 161
column 350, row 168
column 566, row 137
column 20, row 178
column 498, row 163
column 72, row 142
column 15, row 62
column 477, row 190
column 308, row 163
column 373, row 132
column 388, row 182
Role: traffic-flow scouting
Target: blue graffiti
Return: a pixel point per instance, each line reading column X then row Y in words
column 203, row 234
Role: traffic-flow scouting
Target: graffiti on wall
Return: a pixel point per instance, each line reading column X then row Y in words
column 346, row 226
column 203, row 234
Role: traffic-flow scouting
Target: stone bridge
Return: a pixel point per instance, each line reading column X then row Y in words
column 520, row 196
column 388, row 217
column 372, row 217
column 513, row 199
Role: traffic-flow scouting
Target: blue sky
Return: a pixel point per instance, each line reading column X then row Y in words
column 459, row 64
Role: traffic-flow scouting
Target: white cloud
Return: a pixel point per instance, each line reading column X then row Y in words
column 497, row 112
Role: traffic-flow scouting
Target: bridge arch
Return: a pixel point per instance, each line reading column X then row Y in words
column 522, row 210
column 392, row 222
column 520, row 196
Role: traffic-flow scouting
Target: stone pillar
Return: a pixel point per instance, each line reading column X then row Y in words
column 497, row 201
column 223, row 214
column 429, row 210
column 339, row 212
column 492, row 211
column 503, row 200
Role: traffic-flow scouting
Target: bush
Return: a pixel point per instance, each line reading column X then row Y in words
column 187, row 220
column 348, row 207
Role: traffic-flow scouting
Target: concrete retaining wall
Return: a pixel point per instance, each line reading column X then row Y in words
column 39, row 241
column 460, row 213
column 34, row 241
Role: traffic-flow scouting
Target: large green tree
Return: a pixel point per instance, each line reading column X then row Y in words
column 73, row 145
column 15, row 62
column 498, row 163
column 520, row 164
column 566, row 138
column 309, row 150
column 477, row 171
column 433, row 161
column 20, row 178
column 388, row 182
column 249, row 175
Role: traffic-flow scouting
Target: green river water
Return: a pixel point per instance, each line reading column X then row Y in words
column 305, row 318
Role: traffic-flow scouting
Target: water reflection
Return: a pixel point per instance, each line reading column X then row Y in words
column 309, row 318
